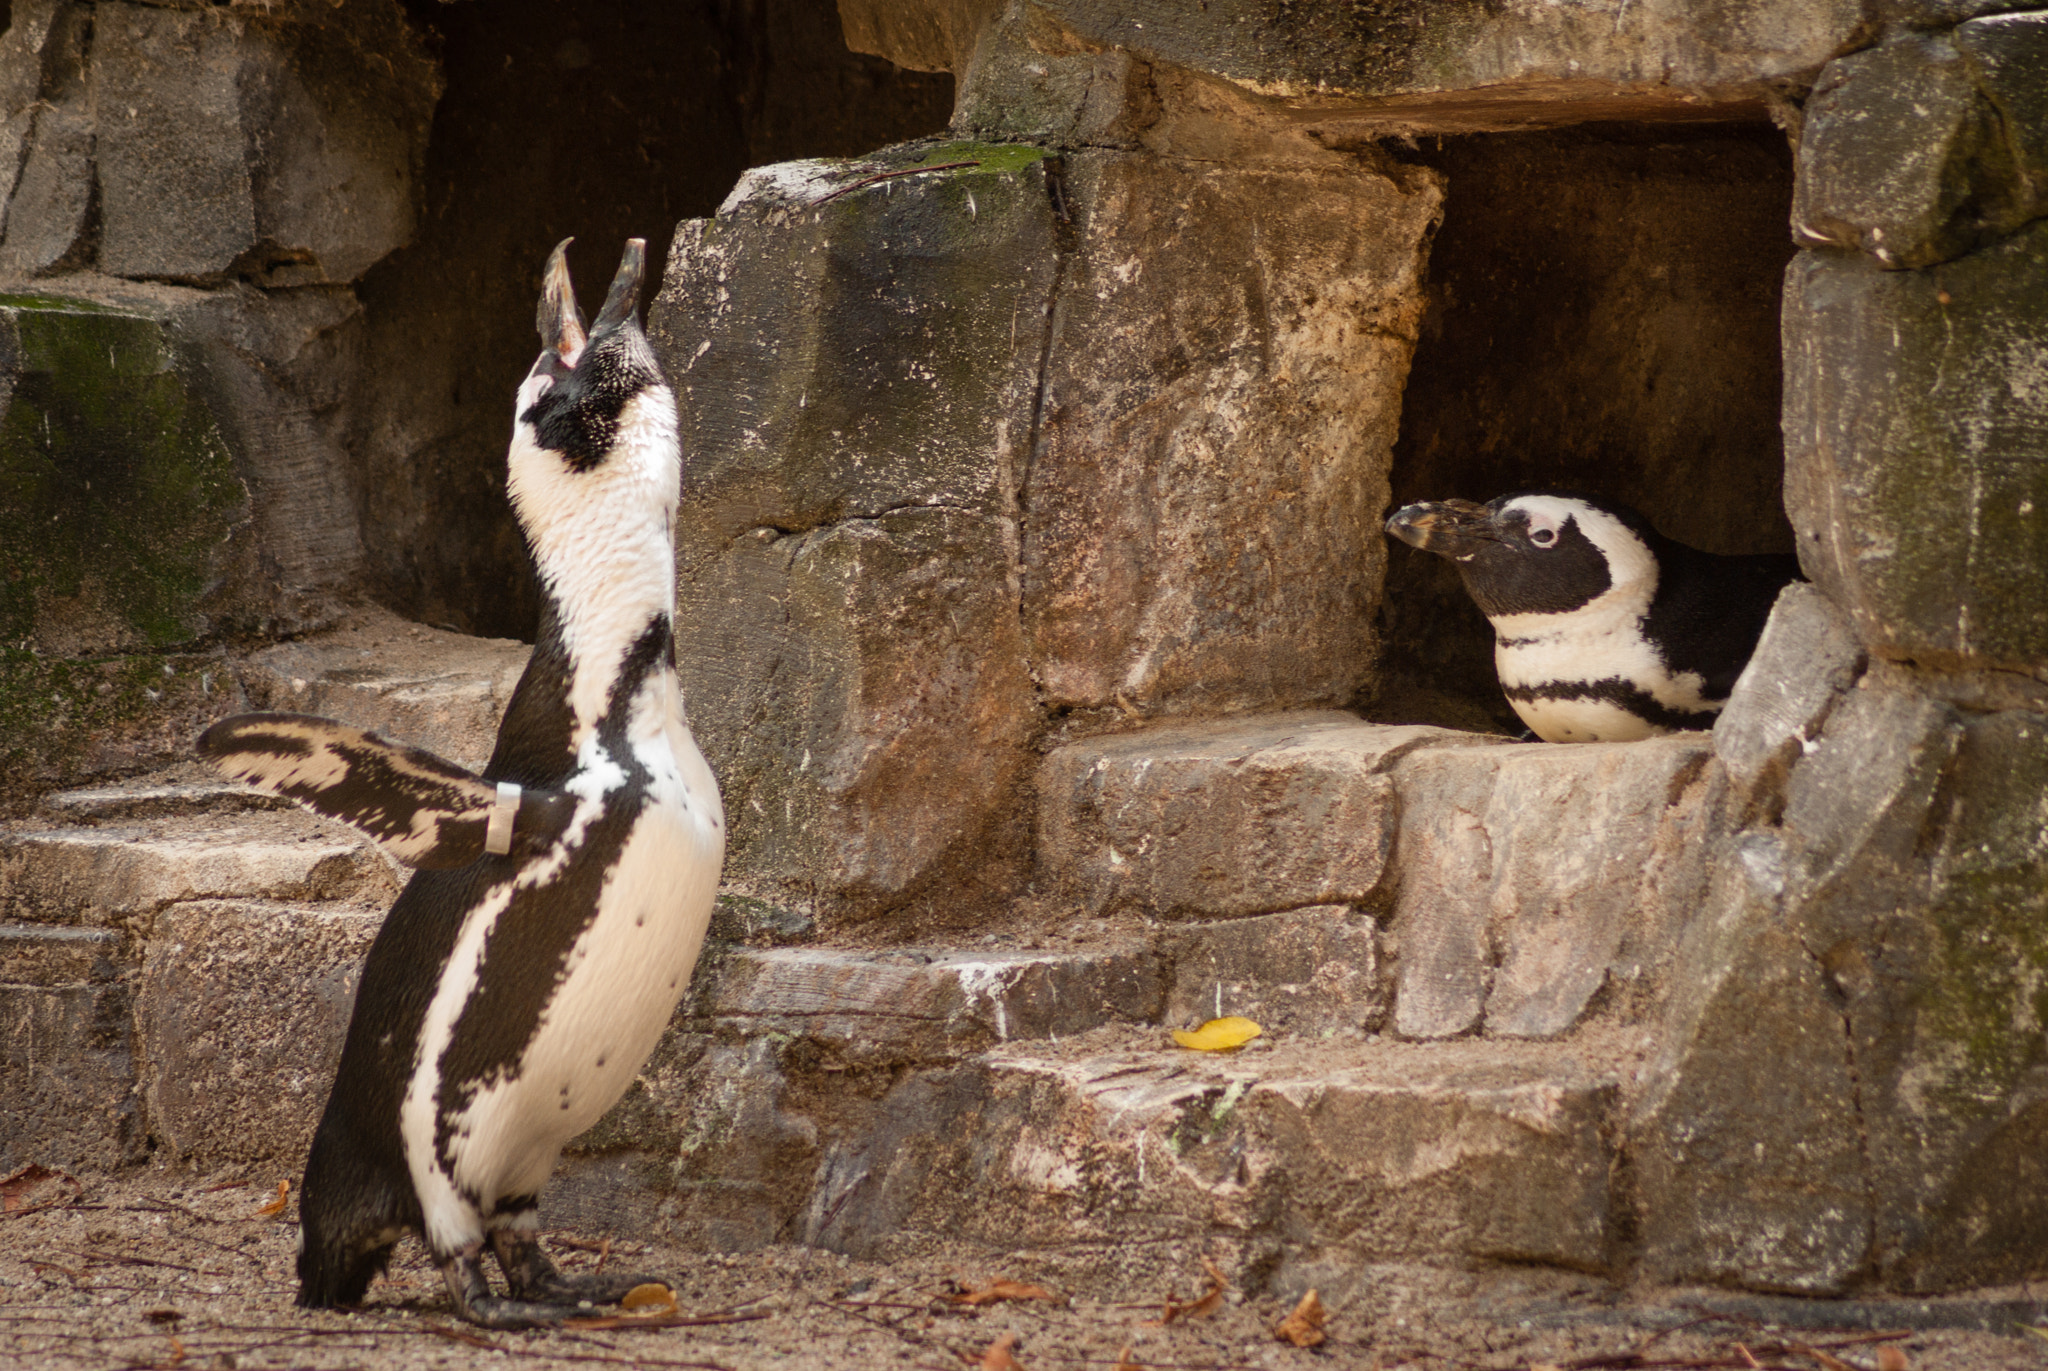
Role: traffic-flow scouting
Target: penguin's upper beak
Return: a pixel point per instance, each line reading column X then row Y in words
column 560, row 319
column 1450, row 528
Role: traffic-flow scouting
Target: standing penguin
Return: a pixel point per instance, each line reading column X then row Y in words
column 531, row 965
column 1604, row 629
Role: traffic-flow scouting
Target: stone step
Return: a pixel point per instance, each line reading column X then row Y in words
column 1354, row 1150
column 1520, row 883
column 424, row 686
column 120, row 873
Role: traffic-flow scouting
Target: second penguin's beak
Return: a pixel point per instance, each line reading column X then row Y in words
column 1450, row 528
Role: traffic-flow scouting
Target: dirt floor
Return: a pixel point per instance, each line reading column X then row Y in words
column 149, row 1269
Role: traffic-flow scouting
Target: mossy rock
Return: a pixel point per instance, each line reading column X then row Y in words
column 117, row 491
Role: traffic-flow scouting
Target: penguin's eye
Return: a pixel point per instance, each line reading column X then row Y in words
column 1543, row 537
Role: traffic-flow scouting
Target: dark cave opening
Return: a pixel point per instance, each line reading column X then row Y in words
column 1602, row 315
column 602, row 121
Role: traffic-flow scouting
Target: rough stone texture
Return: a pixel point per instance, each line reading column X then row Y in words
column 122, row 875
column 1914, row 407
column 909, row 1005
column 1534, row 877
column 1888, row 948
column 445, row 692
column 33, row 955
column 67, row 1076
column 120, row 492
column 1806, row 660
column 1925, row 148
column 1462, row 65
column 1223, row 386
column 241, row 1010
column 1223, row 819
column 1306, row 972
column 1382, row 1154
column 1747, row 1146
column 291, row 148
column 281, row 368
column 847, row 617
column 49, row 136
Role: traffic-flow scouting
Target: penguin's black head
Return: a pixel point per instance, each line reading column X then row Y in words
column 594, row 447
column 1536, row 551
column 581, row 384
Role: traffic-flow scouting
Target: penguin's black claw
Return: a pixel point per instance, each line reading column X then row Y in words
column 531, row 1276
column 475, row 1303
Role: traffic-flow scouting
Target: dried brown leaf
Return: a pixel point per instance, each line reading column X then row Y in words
column 1124, row 1362
column 996, row 1357
column 177, row 1353
column 996, row 1291
column 651, row 1298
column 1891, row 1358
column 1304, row 1327
column 1200, row 1308
column 36, row 1186
column 276, row 1206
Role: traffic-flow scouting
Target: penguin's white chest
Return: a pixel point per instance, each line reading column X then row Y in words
column 614, row 993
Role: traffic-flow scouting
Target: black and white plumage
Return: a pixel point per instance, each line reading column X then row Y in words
column 1604, row 629
column 523, row 976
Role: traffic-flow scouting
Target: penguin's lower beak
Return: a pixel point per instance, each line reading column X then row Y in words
column 1450, row 528
column 559, row 318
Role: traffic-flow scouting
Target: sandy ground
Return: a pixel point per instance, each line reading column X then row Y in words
column 148, row 1269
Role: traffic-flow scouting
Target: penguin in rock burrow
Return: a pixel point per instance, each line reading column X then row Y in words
column 529, row 967
column 1604, row 629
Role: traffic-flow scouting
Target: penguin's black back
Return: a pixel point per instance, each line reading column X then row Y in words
column 1710, row 609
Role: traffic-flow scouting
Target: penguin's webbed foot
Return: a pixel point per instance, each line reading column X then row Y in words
column 474, row 1302
column 532, row 1276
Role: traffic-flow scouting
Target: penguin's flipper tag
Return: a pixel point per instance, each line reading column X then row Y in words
column 423, row 810
column 498, row 832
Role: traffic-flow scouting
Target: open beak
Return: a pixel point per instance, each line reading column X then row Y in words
column 622, row 302
column 1450, row 528
column 559, row 318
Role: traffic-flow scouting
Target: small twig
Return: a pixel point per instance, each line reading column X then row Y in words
column 852, row 186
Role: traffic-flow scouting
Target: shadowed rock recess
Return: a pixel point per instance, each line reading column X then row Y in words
column 1035, row 612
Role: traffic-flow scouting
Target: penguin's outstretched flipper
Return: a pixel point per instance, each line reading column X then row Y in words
column 423, row 810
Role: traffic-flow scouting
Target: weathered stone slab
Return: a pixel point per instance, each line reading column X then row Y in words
column 1747, row 1142
column 240, row 1015
column 67, row 1077
column 1309, row 971
column 1806, row 660
column 908, row 1004
column 31, row 954
column 121, row 875
column 1390, row 1152
column 445, row 692
column 855, row 367
column 1221, row 398
column 123, row 494
column 1244, row 816
column 1486, row 65
column 49, row 207
column 1924, row 148
column 150, row 799
column 1533, row 876
column 1913, row 468
column 290, row 148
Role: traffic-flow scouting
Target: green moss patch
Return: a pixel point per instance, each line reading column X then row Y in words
column 115, row 484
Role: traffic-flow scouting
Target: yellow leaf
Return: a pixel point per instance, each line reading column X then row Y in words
column 1219, row 1035
column 651, row 1298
